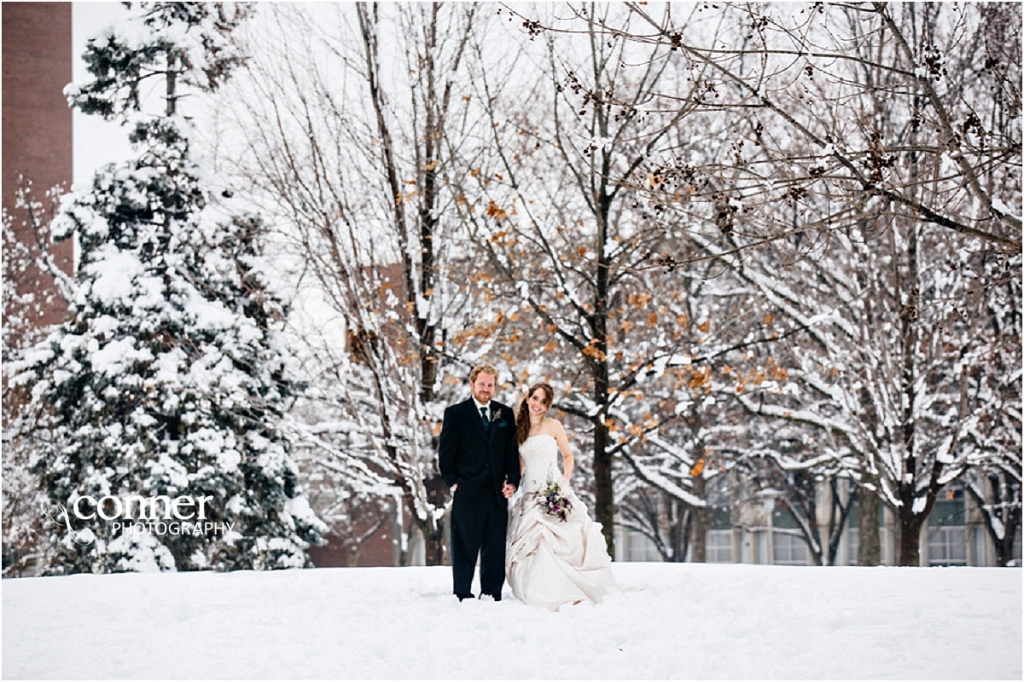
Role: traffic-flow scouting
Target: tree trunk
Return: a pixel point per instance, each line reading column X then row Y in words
column 807, row 489
column 433, row 550
column 604, row 505
column 1000, row 512
column 699, row 535
column 837, row 522
column 1004, row 545
column 679, row 530
column 604, row 493
column 433, row 538
column 908, row 546
column 682, row 535
column 869, row 549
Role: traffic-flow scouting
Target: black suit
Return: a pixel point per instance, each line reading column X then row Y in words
column 480, row 459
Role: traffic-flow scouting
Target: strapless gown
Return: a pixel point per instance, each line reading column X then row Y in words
column 551, row 562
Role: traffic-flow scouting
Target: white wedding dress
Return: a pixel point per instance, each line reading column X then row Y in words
column 551, row 562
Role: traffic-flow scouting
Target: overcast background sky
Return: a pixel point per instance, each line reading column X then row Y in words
column 96, row 141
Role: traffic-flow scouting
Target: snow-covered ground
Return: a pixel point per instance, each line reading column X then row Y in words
column 684, row 621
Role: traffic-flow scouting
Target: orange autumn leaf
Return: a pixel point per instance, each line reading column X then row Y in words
column 640, row 300
column 494, row 211
column 699, row 377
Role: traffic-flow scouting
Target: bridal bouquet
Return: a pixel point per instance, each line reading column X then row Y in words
column 553, row 502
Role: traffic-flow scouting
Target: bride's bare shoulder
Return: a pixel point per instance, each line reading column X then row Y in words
column 553, row 426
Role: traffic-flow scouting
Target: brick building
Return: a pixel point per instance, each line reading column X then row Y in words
column 37, row 128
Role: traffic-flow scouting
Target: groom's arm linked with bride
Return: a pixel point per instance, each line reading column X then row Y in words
column 479, row 462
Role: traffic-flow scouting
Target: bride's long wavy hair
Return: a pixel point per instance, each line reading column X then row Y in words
column 523, row 413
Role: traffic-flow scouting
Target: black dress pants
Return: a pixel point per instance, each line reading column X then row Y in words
column 478, row 527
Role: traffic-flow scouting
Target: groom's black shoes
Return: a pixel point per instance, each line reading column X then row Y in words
column 495, row 597
column 464, row 596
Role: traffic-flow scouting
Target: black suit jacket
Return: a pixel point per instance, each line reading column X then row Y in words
column 476, row 458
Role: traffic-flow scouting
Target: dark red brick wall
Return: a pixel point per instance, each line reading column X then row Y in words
column 377, row 551
column 37, row 128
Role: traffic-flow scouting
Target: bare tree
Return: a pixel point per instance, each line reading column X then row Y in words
column 673, row 196
column 877, row 149
column 577, row 254
column 807, row 84
column 911, row 389
column 349, row 111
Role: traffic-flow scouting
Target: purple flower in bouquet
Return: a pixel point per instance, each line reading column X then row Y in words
column 553, row 502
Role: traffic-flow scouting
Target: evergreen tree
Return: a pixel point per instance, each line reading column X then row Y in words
column 169, row 375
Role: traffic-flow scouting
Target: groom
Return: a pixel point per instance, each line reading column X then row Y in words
column 479, row 462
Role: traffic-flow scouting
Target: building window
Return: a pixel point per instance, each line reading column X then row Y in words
column 976, row 543
column 639, row 547
column 789, row 549
column 947, row 546
column 719, row 546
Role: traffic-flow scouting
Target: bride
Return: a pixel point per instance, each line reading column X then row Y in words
column 556, row 553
